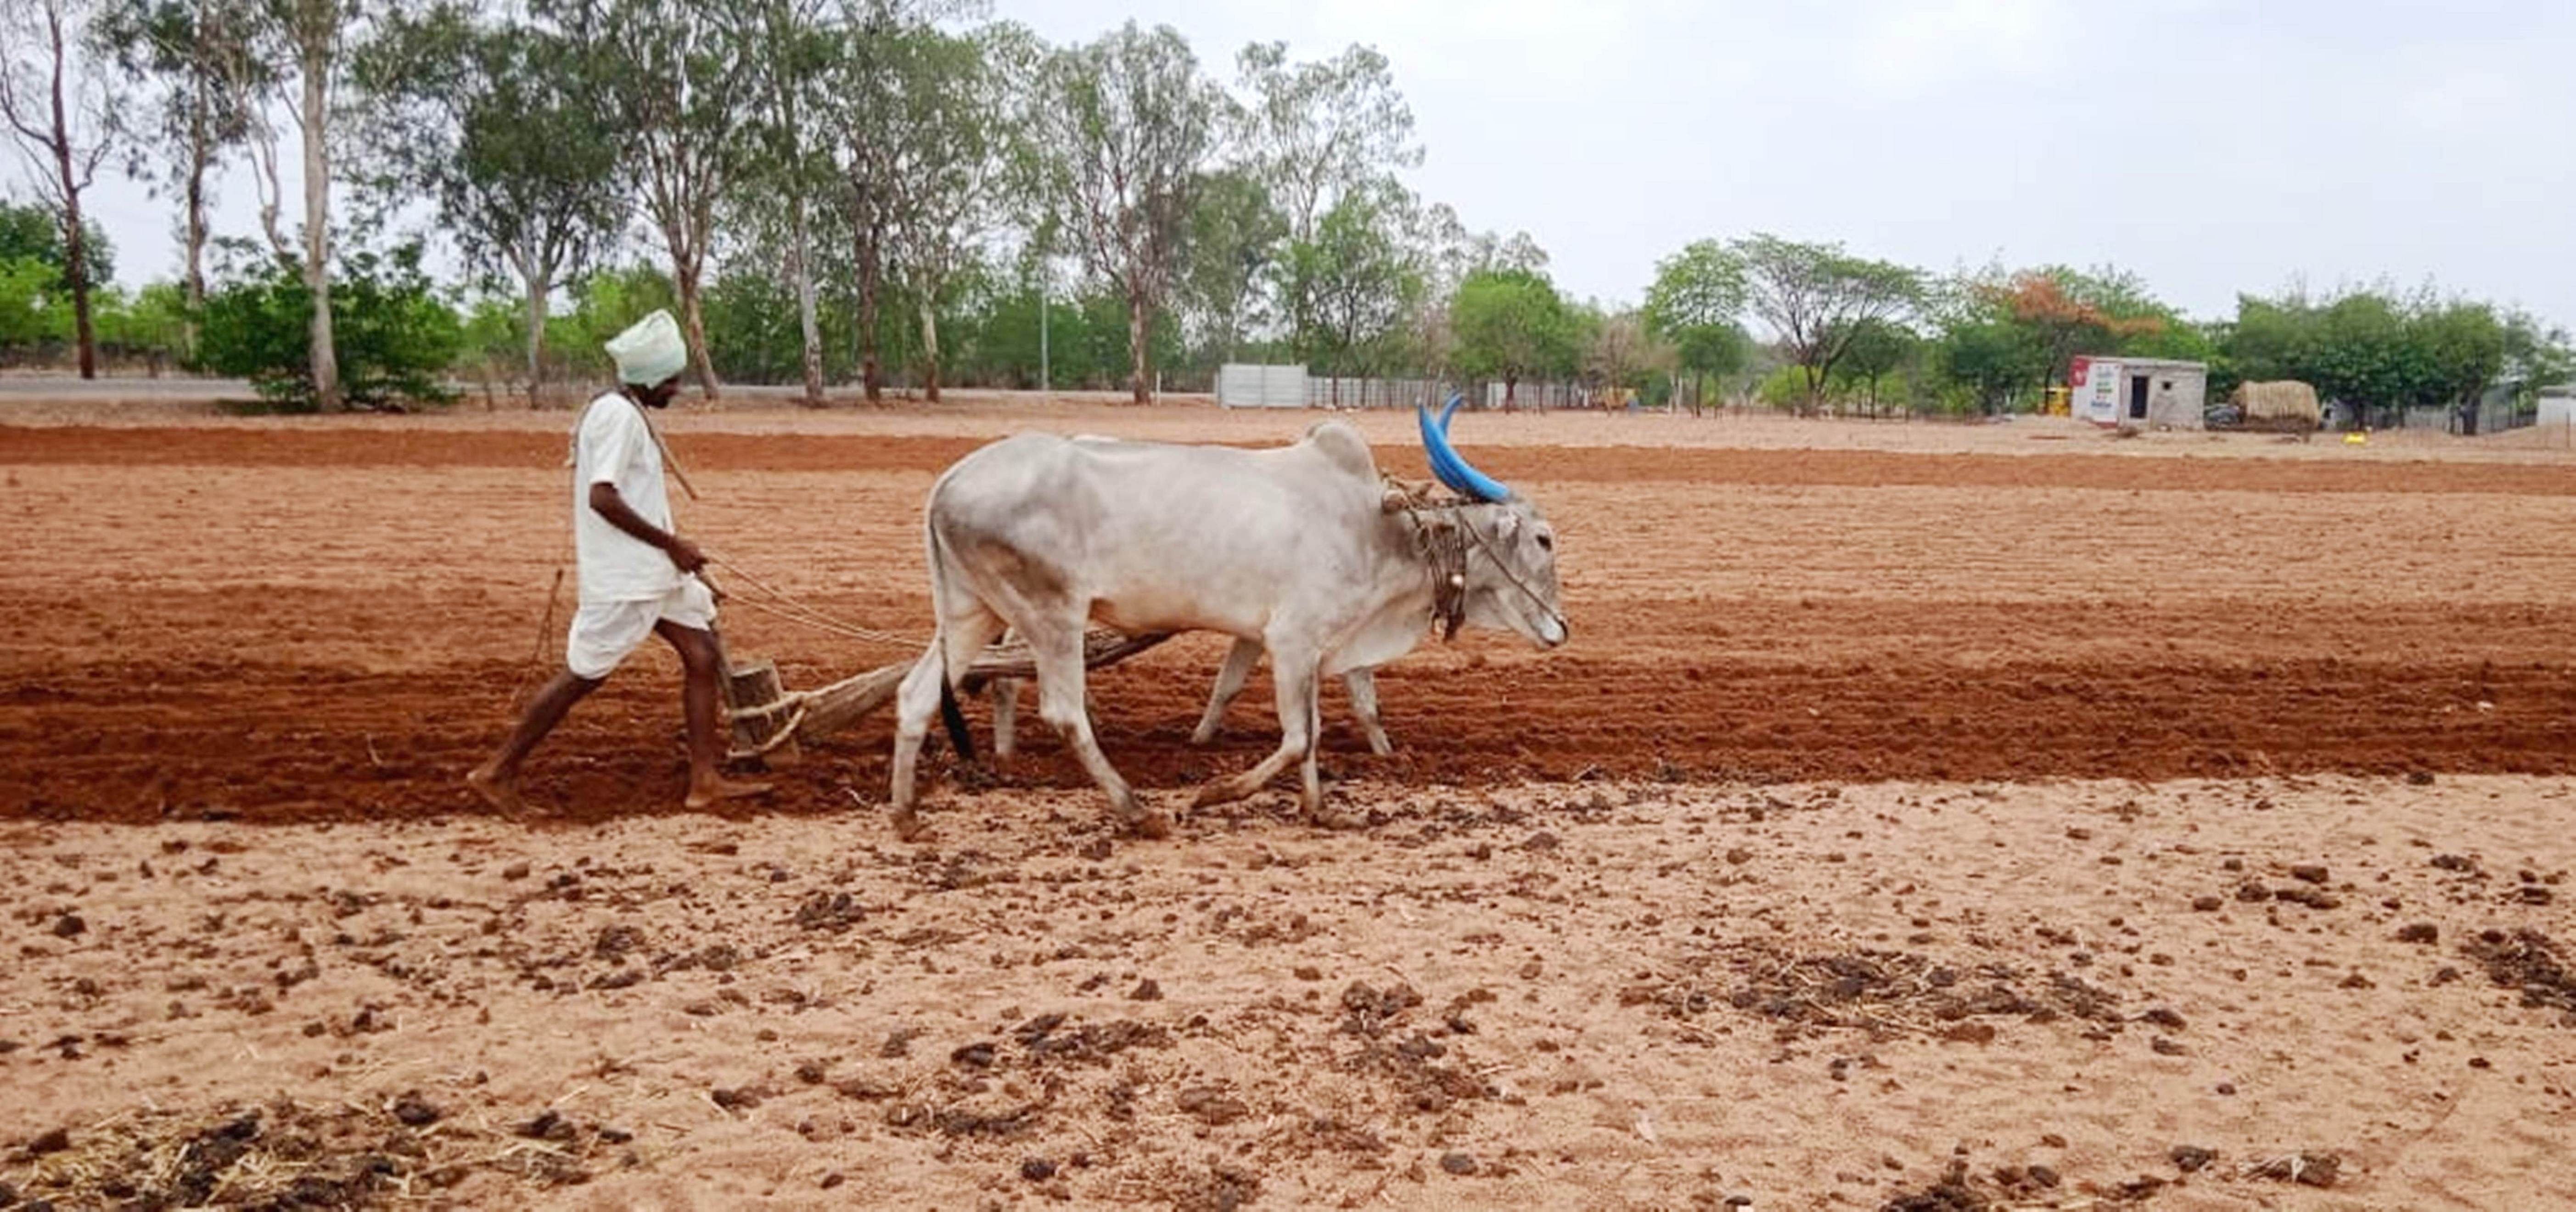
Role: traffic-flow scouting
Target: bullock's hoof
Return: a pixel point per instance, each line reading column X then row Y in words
column 1153, row 824
column 1338, row 818
column 909, row 826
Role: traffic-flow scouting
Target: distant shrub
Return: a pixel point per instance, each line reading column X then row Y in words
column 394, row 337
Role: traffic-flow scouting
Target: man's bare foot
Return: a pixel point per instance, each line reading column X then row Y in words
column 498, row 790
column 703, row 796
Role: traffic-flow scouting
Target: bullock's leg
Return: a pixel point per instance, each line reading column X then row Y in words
column 1310, row 781
column 1063, row 704
column 917, row 700
column 1363, row 686
column 1006, row 709
column 1006, row 714
column 1292, row 677
column 1229, row 683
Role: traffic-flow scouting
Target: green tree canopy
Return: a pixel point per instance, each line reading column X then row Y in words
column 1511, row 324
column 1816, row 298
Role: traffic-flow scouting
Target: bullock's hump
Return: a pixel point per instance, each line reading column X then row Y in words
column 1341, row 443
column 1014, row 461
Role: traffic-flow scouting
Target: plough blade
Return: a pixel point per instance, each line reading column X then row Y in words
column 768, row 719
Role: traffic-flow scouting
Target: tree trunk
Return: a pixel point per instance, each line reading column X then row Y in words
column 1138, row 355
column 929, row 345
column 693, row 323
column 802, row 268
column 865, row 240
column 871, row 292
column 76, row 267
column 195, row 220
column 871, row 376
column 316, row 68
column 538, row 289
column 75, row 245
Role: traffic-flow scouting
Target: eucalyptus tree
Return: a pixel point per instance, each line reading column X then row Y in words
column 1315, row 134
column 1125, row 127
column 181, row 54
column 959, row 110
column 492, row 123
column 676, row 79
column 55, row 106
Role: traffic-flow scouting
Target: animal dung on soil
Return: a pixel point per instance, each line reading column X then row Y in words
column 2530, row 961
column 1883, row 992
column 415, row 1111
column 1211, row 1105
column 289, row 1155
column 2305, row 1169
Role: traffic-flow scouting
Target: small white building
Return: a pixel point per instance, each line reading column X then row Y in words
column 1247, row 385
column 2148, row 393
column 2558, row 405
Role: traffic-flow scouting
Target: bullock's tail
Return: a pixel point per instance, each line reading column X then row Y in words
column 955, row 721
column 950, row 717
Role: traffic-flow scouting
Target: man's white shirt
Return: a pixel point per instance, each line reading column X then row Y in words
column 613, row 446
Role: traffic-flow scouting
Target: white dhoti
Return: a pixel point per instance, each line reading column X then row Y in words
column 605, row 633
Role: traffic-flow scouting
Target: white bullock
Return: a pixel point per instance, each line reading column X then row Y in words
column 1300, row 549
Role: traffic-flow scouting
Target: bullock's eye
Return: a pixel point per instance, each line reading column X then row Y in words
column 1547, row 542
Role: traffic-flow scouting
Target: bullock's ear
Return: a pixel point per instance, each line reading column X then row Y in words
column 1393, row 500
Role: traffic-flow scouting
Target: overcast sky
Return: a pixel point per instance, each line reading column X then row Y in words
column 2210, row 147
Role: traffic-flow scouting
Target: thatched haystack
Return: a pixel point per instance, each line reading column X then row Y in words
column 2280, row 404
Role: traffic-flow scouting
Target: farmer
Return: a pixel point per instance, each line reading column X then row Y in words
column 637, row 576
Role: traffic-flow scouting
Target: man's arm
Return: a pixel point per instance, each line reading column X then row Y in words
column 607, row 504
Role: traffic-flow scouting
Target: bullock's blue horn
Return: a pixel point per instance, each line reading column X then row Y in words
column 1452, row 470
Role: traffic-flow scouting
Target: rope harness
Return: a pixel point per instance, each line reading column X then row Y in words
column 1442, row 543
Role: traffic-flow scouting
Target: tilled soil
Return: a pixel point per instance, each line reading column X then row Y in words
column 307, row 622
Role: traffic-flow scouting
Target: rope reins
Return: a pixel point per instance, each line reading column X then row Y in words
column 1555, row 615
column 786, row 606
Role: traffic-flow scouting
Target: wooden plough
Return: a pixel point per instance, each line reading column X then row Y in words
column 769, row 719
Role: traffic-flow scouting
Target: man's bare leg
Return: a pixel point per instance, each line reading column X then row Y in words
column 497, row 781
column 702, row 699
